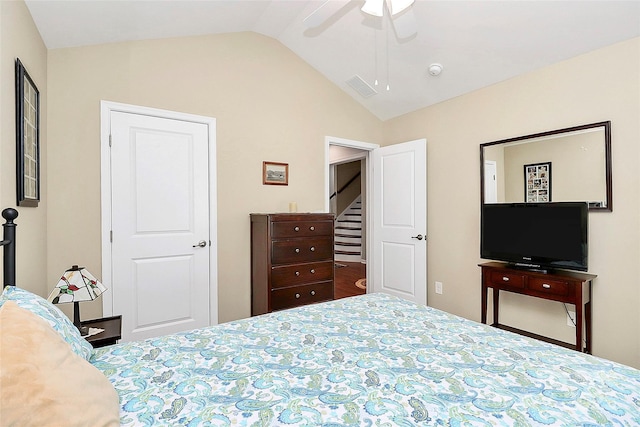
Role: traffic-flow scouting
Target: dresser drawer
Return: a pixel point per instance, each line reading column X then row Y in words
column 552, row 287
column 301, row 273
column 506, row 280
column 285, row 229
column 301, row 295
column 301, row 250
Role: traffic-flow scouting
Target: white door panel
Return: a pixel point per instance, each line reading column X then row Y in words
column 399, row 216
column 160, row 211
column 152, row 152
column 167, row 308
column 398, row 269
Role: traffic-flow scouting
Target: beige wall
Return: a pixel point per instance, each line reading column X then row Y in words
column 569, row 93
column 268, row 103
column 19, row 38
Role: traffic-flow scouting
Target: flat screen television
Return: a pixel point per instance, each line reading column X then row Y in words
column 536, row 235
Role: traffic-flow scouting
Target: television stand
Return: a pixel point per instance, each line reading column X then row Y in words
column 563, row 286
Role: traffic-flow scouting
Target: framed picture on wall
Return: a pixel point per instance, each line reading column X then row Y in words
column 27, row 138
column 537, row 182
column 274, row 173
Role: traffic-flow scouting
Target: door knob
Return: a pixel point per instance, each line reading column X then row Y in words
column 201, row 244
column 419, row 237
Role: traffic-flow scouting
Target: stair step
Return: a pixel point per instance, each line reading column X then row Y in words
column 348, row 236
column 340, row 252
column 349, row 258
column 338, row 227
column 354, row 244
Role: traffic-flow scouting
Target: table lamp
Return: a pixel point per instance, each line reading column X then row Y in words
column 76, row 285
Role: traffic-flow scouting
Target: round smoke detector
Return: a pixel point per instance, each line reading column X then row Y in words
column 435, row 69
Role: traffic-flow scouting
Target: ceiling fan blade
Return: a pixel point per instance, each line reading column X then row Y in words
column 405, row 24
column 324, row 12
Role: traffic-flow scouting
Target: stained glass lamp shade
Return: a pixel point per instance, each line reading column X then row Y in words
column 76, row 285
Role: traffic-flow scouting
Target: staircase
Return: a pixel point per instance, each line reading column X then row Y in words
column 348, row 233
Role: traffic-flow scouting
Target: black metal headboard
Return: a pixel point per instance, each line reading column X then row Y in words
column 9, row 243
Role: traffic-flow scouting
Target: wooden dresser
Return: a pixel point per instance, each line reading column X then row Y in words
column 291, row 260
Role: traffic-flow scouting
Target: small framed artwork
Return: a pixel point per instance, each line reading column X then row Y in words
column 537, row 182
column 27, row 138
column 275, row 173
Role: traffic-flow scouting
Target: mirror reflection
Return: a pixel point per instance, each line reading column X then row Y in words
column 572, row 164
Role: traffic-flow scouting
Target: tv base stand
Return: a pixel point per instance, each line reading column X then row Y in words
column 563, row 286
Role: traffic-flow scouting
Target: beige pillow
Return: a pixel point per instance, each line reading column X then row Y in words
column 43, row 382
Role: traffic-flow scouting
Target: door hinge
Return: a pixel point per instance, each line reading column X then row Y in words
column 110, row 139
column 111, row 236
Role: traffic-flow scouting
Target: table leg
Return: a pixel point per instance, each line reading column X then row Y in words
column 483, row 313
column 579, row 306
column 496, row 301
column 587, row 321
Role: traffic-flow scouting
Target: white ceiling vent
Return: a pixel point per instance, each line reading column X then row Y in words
column 360, row 86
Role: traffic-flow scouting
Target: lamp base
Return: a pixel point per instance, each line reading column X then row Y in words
column 84, row 330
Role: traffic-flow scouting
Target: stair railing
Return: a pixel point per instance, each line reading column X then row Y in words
column 341, row 189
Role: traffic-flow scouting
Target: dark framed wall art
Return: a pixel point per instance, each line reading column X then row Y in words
column 27, row 138
column 537, row 182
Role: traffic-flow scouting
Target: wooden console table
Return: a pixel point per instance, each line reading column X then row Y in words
column 563, row 286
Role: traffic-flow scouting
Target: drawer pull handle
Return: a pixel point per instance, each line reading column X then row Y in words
column 296, row 228
column 312, row 228
column 505, row 278
column 546, row 286
column 313, row 293
column 297, row 250
column 313, row 271
column 313, row 249
column 297, row 273
column 297, row 296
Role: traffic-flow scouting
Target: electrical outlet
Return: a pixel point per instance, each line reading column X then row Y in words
column 438, row 287
column 571, row 319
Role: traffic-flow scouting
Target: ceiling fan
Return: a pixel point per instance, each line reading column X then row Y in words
column 399, row 11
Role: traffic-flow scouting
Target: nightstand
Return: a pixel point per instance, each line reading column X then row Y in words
column 112, row 329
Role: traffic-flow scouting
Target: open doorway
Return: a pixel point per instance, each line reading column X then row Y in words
column 347, row 164
column 350, row 230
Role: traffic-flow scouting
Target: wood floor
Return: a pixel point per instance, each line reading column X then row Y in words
column 346, row 277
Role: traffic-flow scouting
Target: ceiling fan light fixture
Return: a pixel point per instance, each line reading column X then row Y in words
column 376, row 7
column 373, row 7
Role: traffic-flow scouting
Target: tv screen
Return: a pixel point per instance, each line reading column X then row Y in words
column 536, row 235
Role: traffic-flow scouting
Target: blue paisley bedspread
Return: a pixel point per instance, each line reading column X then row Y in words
column 372, row 360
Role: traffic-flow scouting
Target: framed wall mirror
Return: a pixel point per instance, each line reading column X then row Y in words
column 518, row 170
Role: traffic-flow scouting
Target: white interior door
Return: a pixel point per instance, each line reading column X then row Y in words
column 160, row 221
column 400, row 220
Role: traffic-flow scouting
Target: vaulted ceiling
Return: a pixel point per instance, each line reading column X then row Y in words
column 478, row 43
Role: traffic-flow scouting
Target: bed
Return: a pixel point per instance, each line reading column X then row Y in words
column 361, row 361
